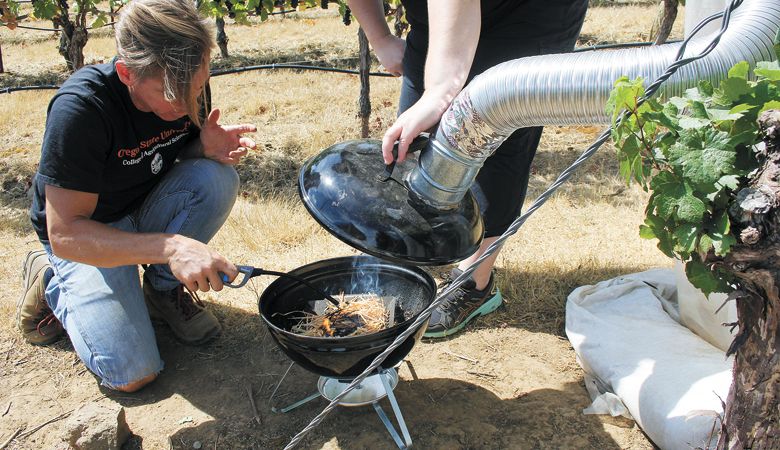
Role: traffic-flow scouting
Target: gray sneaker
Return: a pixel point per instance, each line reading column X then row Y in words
column 463, row 305
column 34, row 318
column 183, row 311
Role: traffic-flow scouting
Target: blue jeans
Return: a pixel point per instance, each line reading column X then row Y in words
column 103, row 309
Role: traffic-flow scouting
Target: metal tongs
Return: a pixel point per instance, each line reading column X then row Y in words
column 251, row 272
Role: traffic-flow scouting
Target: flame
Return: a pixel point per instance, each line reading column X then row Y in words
column 326, row 326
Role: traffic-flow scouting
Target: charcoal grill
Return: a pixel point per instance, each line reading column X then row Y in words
column 337, row 360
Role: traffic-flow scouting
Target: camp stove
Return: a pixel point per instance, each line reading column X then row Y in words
column 368, row 393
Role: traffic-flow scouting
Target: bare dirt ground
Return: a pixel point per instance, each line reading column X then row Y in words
column 509, row 381
column 502, row 387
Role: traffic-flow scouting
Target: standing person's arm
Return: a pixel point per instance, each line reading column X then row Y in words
column 389, row 49
column 454, row 32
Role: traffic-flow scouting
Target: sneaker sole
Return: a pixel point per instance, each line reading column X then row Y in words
column 486, row 308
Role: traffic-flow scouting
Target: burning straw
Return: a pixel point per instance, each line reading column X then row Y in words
column 356, row 315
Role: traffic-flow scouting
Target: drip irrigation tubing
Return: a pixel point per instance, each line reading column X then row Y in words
column 520, row 220
column 274, row 66
column 220, row 72
column 56, row 30
column 619, row 45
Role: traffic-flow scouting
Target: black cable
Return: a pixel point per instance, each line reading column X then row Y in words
column 55, row 29
column 619, row 45
column 8, row 90
column 219, row 72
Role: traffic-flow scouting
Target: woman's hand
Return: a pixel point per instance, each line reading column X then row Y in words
column 224, row 143
column 389, row 51
column 421, row 117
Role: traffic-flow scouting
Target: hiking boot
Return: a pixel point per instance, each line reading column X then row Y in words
column 462, row 305
column 34, row 318
column 183, row 311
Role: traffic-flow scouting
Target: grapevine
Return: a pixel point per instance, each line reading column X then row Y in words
column 694, row 154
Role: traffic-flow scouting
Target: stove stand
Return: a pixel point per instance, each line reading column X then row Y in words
column 373, row 389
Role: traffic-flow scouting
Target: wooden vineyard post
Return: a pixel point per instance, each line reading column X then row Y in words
column 2, row 70
column 667, row 20
column 365, row 66
column 222, row 38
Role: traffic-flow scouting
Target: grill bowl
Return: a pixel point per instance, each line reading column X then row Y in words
column 346, row 357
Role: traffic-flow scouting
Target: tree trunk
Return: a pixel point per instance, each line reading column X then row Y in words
column 365, row 87
column 74, row 35
column 752, row 413
column 667, row 21
column 222, row 38
column 73, row 39
column 400, row 26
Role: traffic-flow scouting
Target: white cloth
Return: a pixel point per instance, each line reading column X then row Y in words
column 669, row 379
column 705, row 316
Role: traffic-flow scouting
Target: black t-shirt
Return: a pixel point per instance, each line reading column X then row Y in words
column 510, row 29
column 97, row 141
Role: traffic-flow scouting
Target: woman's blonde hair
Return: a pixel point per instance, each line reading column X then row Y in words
column 166, row 38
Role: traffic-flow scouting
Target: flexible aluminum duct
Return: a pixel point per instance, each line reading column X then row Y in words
column 568, row 89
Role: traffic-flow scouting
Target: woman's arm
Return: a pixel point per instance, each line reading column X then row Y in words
column 389, row 49
column 454, row 33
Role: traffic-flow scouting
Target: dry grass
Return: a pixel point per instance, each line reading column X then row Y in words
column 299, row 113
column 630, row 23
column 586, row 233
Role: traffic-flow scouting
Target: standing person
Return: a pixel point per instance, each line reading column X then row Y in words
column 132, row 173
column 449, row 43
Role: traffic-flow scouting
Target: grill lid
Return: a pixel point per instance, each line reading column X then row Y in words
column 343, row 189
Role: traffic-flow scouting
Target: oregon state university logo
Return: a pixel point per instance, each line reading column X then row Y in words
column 152, row 146
column 157, row 163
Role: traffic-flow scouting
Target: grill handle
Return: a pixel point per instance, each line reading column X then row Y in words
column 251, row 272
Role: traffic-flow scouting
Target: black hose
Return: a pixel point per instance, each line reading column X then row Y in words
column 8, row 90
column 619, row 45
column 220, row 72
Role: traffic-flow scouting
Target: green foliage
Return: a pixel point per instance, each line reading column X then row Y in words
column 777, row 44
column 9, row 11
column 693, row 153
column 54, row 9
column 241, row 10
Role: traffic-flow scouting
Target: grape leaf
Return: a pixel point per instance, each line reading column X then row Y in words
column 768, row 70
column 703, row 156
column 701, row 277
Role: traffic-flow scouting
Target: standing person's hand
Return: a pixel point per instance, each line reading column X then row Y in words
column 224, row 143
column 197, row 266
column 421, row 117
column 389, row 51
